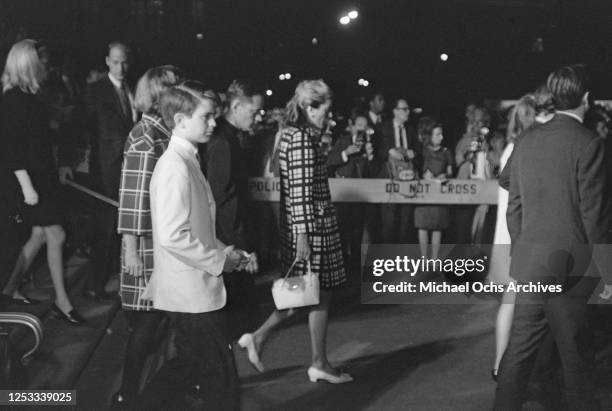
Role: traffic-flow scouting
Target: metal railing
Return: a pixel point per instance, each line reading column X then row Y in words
column 30, row 321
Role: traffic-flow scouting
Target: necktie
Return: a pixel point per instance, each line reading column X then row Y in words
column 400, row 141
column 126, row 106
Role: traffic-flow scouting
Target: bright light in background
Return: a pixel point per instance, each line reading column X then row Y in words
column 282, row 77
column 288, row 76
column 444, row 57
column 353, row 14
column 417, row 110
column 344, row 20
column 360, row 81
column 268, row 92
column 315, row 41
column 366, row 83
column 363, row 82
column 199, row 36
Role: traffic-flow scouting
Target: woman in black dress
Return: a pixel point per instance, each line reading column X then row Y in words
column 29, row 158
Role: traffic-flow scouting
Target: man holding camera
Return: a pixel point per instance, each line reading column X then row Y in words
column 399, row 158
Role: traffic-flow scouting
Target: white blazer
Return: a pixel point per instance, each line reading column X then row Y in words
column 188, row 258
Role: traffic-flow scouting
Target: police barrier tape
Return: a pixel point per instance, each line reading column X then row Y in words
column 366, row 190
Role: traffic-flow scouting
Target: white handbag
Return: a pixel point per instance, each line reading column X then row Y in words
column 298, row 291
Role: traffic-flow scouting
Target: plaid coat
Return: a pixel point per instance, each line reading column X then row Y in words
column 306, row 206
column 146, row 143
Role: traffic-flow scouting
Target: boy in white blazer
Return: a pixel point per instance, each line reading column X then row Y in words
column 189, row 261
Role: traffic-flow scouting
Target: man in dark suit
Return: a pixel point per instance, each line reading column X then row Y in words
column 557, row 211
column 398, row 141
column 226, row 167
column 377, row 107
column 111, row 113
column 352, row 156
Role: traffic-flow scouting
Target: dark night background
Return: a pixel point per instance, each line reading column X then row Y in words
column 395, row 44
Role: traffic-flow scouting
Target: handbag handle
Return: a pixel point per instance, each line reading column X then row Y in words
column 293, row 265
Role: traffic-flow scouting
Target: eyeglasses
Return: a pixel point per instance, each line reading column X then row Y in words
column 403, row 108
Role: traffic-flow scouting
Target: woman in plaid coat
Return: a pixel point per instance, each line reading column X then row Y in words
column 309, row 230
column 146, row 143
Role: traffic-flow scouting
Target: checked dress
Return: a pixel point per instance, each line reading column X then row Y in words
column 306, row 206
column 146, row 143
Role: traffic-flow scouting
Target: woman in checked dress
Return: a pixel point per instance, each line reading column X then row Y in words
column 309, row 230
column 145, row 144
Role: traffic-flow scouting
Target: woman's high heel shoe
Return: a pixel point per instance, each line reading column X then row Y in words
column 494, row 374
column 246, row 342
column 73, row 317
column 315, row 374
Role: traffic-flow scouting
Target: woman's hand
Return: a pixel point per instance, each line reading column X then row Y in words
column 134, row 264
column 30, row 196
column 303, row 248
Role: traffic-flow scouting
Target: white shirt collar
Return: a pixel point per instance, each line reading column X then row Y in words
column 115, row 82
column 373, row 116
column 184, row 145
column 396, row 124
column 567, row 113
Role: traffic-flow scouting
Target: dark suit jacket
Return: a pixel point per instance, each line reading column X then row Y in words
column 386, row 141
column 110, row 128
column 357, row 166
column 557, row 206
column 226, row 168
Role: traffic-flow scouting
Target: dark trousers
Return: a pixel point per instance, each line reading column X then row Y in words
column 398, row 224
column 106, row 248
column 541, row 323
column 372, row 222
column 464, row 215
column 147, row 332
column 351, row 223
column 242, row 305
column 205, row 360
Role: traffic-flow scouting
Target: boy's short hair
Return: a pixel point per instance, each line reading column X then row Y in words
column 184, row 98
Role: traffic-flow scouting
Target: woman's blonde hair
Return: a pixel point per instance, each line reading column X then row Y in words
column 308, row 93
column 521, row 117
column 152, row 84
column 23, row 68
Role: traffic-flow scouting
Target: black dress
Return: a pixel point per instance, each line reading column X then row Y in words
column 433, row 217
column 24, row 126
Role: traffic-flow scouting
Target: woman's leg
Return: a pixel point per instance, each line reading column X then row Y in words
column 436, row 240
column 503, row 326
column 478, row 223
column 55, row 237
column 423, row 241
column 26, row 256
column 317, row 322
column 261, row 334
column 143, row 340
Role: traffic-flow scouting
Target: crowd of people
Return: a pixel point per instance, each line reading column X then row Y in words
column 186, row 240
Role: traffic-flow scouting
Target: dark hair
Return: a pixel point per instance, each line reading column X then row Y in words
column 397, row 100
column 358, row 113
column 373, row 95
column 427, row 125
column 567, row 86
column 184, row 98
column 241, row 89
